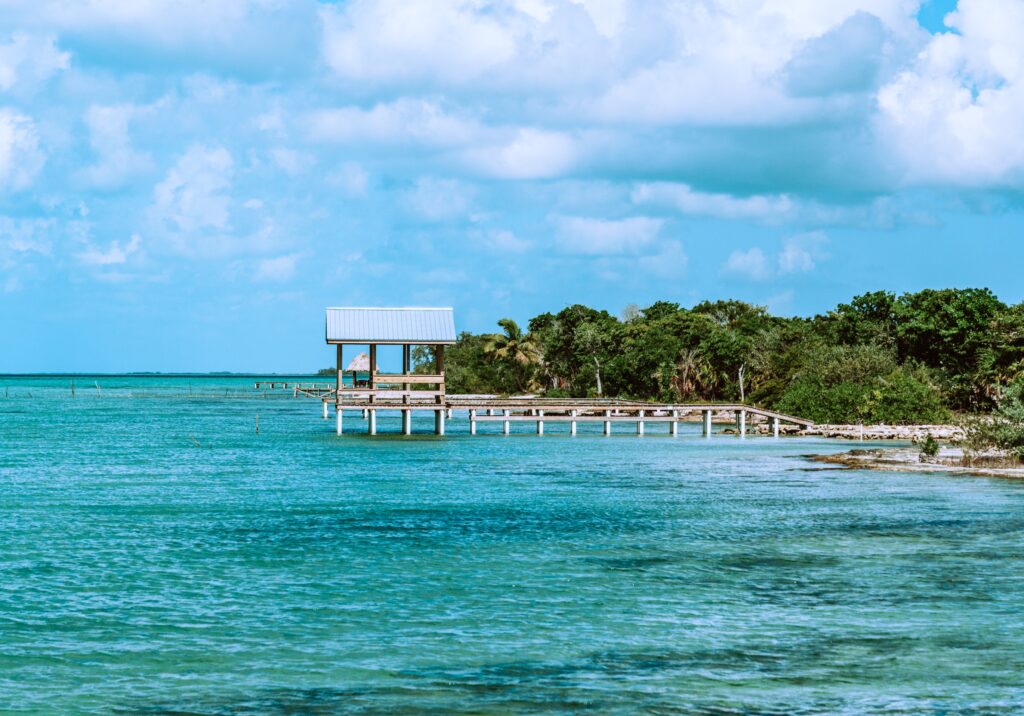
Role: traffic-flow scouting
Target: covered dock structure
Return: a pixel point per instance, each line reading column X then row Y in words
column 406, row 327
column 368, row 390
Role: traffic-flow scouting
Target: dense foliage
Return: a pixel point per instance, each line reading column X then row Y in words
column 1004, row 429
column 881, row 358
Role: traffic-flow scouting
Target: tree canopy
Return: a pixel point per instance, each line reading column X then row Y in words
column 881, row 357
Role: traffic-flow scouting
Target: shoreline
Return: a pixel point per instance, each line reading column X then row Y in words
column 913, row 433
column 949, row 460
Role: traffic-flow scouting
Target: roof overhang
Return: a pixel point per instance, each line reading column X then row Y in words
column 390, row 326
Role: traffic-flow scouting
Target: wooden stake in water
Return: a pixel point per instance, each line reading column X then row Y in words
column 257, row 423
column 72, row 390
column 98, row 391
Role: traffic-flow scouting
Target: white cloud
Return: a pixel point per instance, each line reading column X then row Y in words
column 507, row 241
column 530, row 154
column 438, row 199
column 803, row 252
column 751, row 264
column 670, row 261
column 117, row 159
column 20, row 155
column 191, row 197
column 596, row 237
column 799, row 254
column 276, row 269
column 404, row 121
column 23, row 236
column 114, row 255
column 292, row 162
column 29, row 60
column 401, row 40
column 352, row 179
column 683, row 198
column 954, row 116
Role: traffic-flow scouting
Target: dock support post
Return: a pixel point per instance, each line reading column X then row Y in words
column 707, row 423
column 490, row 412
column 439, row 422
column 338, row 412
column 505, row 424
column 640, row 424
column 325, row 410
column 572, row 423
column 607, row 423
column 448, row 413
column 741, row 423
column 472, row 422
column 366, row 414
column 675, row 424
column 371, row 427
column 407, row 422
column 540, row 423
column 775, row 427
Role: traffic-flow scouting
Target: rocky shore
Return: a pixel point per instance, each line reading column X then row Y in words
column 949, row 459
column 915, row 433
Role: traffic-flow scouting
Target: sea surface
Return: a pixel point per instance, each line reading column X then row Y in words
column 159, row 556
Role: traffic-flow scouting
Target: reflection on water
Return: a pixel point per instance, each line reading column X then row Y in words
column 159, row 557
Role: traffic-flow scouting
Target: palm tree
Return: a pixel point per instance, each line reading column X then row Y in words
column 514, row 347
column 693, row 375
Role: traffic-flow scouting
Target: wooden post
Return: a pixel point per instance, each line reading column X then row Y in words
column 707, row 423
column 572, row 423
column 540, row 423
column 337, row 413
column 325, row 410
column 373, row 371
column 472, row 422
column 640, row 423
column 372, row 425
column 407, row 422
column 439, row 422
column 406, row 363
column 674, row 430
column 743, row 424
column 607, row 423
column 337, row 395
column 775, row 427
column 505, row 423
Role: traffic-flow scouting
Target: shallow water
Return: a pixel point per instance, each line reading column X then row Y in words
column 157, row 555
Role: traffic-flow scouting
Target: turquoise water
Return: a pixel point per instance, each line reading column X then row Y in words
column 158, row 556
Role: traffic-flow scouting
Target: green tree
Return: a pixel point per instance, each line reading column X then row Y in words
column 947, row 331
column 514, row 349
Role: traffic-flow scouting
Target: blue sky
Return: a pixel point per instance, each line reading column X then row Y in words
column 185, row 185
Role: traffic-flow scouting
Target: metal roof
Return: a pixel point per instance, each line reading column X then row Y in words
column 390, row 325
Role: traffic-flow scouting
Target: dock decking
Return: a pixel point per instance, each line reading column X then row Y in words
column 538, row 410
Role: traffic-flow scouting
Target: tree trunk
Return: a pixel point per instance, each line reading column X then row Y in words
column 743, row 396
column 597, row 366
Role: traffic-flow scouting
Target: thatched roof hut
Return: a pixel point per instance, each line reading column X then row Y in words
column 361, row 363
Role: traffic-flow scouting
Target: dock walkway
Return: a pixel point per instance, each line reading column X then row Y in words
column 538, row 410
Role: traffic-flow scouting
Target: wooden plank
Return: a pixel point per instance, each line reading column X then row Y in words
column 412, row 378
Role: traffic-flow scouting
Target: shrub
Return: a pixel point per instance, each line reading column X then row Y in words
column 929, row 448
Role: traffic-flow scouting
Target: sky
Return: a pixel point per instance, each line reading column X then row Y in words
column 185, row 184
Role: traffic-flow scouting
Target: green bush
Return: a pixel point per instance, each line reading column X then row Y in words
column 929, row 448
column 862, row 384
column 1005, row 429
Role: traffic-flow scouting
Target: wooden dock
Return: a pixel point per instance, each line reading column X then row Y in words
column 537, row 410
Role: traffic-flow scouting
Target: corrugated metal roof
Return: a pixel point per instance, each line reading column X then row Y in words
column 390, row 325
